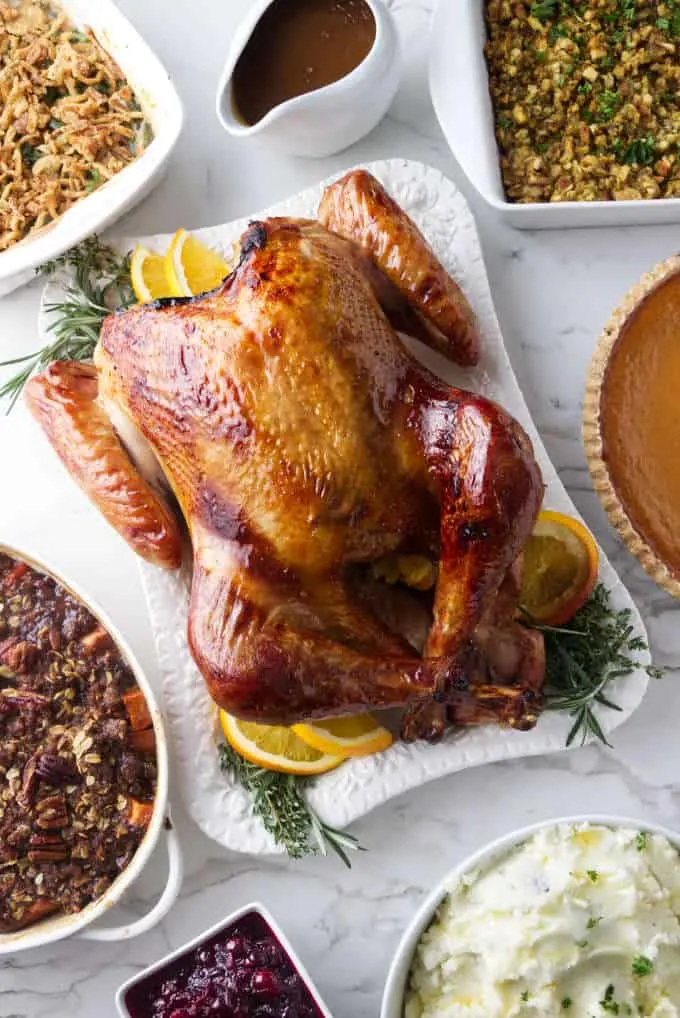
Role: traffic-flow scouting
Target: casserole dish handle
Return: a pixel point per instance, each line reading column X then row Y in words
column 162, row 906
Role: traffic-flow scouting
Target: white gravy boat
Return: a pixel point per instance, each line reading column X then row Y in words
column 328, row 119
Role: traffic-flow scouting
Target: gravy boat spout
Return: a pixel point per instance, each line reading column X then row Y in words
column 328, row 119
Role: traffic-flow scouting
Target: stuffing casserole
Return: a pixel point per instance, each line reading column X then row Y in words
column 77, row 752
column 586, row 97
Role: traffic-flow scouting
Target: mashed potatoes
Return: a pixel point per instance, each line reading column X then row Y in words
column 579, row 920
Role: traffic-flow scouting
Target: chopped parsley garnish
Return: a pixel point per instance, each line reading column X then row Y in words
column 585, row 87
column 641, row 841
column 608, row 1003
column 641, row 151
column 504, row 121
column 566, row 1003
column 524, row 996
column 556, row 32
column 607, row 104
column 663, row 23
column 582, row 943
column 642, row 966
column 593, row 922
column 94, row 179
column 627, row 8
column 593, row 876
column 544, row 10
column 29, row 154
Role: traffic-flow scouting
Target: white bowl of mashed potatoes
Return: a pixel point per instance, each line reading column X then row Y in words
column 578, row 916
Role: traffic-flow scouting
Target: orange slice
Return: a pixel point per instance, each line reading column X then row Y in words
column 352, row 736
column 191, row 267
column 275, row 747
column 147, row 272
column 560, row 568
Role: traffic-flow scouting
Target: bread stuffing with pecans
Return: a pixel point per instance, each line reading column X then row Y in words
column 77, row 752
column 586, row 98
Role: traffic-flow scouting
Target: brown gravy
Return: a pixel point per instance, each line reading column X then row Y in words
column 298, row 46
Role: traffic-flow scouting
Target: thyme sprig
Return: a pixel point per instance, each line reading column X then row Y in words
column 598, row 647
column 279, row 801
column 100, row 283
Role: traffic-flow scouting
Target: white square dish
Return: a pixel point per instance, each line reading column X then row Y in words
column 163, row 109
column 223, row 926
column 459, row 87
column 217, row 803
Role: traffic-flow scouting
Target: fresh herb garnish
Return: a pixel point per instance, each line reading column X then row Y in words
column 556, row 32
column 29, row 154
column 593, row 922
column 280, row 803
column 504, row 121
column 544, row 10
column 78, row 37
column 94, row 179
column 608, row 1003
column 663, row 24
column 607, row 104
column 524, row 996
column 598, row 647
column 627, row 8
column 641, row 151
column 582, row 943
column 593, row 876
column 566, row 1003
column 642, row 966
column 641, row 841
column 101, row 283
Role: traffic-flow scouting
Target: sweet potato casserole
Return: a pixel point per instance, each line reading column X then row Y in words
column 69, row 120
column 77, row 752
column 586, row 98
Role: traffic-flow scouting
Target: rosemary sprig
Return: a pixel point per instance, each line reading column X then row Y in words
column 100, row 284
column 596, row 648
column 280, row 803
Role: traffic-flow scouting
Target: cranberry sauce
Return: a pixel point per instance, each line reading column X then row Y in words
column 241, row 972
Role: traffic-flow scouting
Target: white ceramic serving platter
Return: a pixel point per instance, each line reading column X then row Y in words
column 219, row 806
column 460, row 94
column 163, row 109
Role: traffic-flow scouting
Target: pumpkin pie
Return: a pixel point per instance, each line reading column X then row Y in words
column 631, row 422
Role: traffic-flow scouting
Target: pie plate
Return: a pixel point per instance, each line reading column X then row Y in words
column 632, row 502
column 219, row 805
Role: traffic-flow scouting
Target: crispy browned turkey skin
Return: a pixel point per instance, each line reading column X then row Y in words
column 302, row 443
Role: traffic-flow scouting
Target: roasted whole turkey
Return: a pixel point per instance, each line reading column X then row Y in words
column 283, row 418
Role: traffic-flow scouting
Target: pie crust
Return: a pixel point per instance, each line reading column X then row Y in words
column 603, row 483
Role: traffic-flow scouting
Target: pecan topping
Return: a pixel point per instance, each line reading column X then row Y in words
column 23, row 699
column 21, row 656
column 29, row 781
column 52, row 812
column 47, row 848
column 69, row 765
column 56, row 770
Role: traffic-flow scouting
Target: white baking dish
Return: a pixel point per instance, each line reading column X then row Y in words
column 460, row 94
column 395, row 987
column 61, row 926
column 224, row 924
column 163, row 109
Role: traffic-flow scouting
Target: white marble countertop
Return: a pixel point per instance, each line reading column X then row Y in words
column 553, row 292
